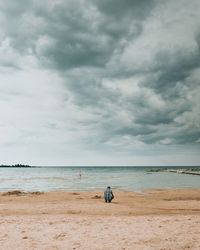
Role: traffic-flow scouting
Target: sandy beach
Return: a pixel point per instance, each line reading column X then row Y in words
column 153, row 219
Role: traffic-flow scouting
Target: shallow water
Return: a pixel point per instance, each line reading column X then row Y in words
column 67, row 178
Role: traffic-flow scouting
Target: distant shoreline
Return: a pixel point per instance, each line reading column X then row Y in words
column 16, row 166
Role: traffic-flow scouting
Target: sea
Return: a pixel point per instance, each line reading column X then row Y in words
column 92, row 178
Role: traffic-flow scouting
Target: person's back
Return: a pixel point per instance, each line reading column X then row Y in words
column 108, row 194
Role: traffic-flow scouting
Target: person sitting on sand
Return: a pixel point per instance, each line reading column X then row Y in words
column 108, row 194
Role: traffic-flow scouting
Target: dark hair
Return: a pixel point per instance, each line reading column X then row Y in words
column 108, row 187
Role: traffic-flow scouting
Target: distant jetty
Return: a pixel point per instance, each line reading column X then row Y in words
column 185, row 171
column 16, row 166
column 191, row 171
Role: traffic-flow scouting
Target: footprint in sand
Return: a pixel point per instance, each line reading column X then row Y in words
column 60, row 236
column 3, row 237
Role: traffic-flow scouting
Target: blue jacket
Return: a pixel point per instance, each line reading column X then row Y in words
column 108, row 194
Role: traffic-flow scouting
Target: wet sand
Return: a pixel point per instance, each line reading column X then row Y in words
column 154, row 219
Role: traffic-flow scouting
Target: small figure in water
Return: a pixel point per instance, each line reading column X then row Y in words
column 108, row 194
column 80, row 174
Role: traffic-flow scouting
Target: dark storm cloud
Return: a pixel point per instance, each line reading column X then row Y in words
column 120, row 9
column 91, row 93
column 167, row 78
column 136, row 130
column 12, row 9
column 68, row 34
column 149, row 124
column 171, row 70
column 166, row 115
column 88, row 36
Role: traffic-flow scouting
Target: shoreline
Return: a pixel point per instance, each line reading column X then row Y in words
column 143, row 190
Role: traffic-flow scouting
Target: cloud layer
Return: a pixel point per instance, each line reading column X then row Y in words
column 103, row 76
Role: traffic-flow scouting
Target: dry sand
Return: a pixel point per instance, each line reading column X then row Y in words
column 154, row 219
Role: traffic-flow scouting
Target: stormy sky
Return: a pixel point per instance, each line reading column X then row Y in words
column 100, row 82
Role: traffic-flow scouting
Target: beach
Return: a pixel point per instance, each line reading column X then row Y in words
column 152, row 219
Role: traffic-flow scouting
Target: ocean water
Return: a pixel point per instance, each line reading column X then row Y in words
column 93, row 178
